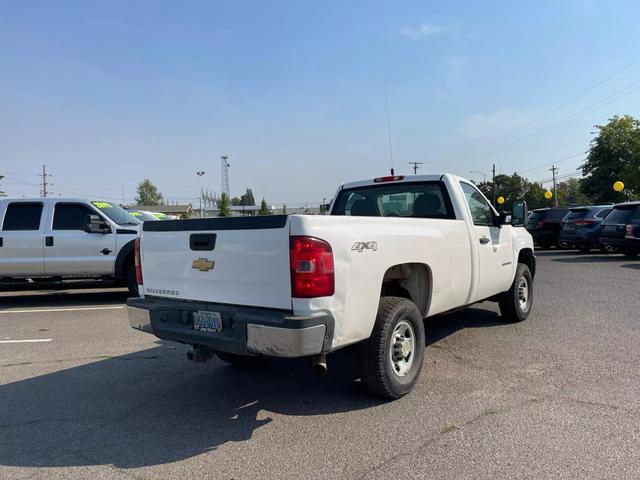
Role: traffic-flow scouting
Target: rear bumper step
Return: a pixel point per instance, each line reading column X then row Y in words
column 245, row 330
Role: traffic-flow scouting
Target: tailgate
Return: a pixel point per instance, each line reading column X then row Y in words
column 236, row 260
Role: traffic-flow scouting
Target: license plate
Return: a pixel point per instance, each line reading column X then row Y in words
column 205, row 321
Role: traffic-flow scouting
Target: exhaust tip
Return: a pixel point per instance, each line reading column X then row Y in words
column 320, row 364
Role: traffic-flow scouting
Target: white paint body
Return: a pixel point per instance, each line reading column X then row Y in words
column 74, row 253
column 252, row 266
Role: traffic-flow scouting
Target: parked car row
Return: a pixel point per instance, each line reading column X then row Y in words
column 610, row 228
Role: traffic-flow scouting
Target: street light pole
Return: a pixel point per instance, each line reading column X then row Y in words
column 484, row 175
column 201, row 174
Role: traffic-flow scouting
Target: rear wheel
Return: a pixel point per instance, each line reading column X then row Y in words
column 391, row 359
column 515, row 304
column 630, row 253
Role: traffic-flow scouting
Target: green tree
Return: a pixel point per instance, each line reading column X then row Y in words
column 224, row 206
column 148, row 193
column 511, row 187
column 247, row 198
column 264, row 208
column 570, row 192
column 613, row 155
column 235, row 201
column 284, row 209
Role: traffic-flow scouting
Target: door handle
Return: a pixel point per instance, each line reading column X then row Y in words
column 105, row 251
column 48, row 241
column 484, row 240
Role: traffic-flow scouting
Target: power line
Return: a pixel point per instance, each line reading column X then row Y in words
column 552, row 110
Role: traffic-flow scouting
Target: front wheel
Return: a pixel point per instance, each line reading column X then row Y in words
column 391, row 359
column 515, row 304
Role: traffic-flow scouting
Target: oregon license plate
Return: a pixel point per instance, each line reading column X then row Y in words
column 205, row 321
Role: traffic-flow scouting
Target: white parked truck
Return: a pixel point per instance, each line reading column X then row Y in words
column 59, row 238
column 393, row 251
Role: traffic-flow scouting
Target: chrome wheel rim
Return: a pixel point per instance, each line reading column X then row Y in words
column 523, row 293
column 402, row 348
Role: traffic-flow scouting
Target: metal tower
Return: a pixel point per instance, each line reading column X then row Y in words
column 225, row 176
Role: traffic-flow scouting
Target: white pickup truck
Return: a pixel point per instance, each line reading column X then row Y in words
column 53, row 239
column 393, row 251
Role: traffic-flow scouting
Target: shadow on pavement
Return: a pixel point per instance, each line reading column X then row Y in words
column 590, row 259
column 634, row 266
column 152, row 408
column 62, row 298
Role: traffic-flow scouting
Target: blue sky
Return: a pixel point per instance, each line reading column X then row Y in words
column 108, row 93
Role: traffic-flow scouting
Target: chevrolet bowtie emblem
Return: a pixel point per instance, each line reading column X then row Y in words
column 203, row 264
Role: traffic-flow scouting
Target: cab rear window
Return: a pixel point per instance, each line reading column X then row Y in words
column 417, row 200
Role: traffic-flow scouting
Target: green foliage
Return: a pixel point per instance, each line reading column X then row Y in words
column 224, row 206
column 247, row 198
column 264, row 208
column 235, row 201
column 284, row 209
column 614, row 155
column 148, row 193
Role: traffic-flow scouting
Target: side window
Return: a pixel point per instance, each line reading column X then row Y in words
column 71, row 216
column 22, row 216
column 603, row 213
column 481, row 212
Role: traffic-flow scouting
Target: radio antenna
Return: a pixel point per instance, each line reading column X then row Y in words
column 386, row 102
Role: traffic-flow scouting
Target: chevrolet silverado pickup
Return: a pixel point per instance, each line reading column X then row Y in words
column 393, row 251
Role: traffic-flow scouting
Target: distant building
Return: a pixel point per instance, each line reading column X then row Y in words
column 177, row 210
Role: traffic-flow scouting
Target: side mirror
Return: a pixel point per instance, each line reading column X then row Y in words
column 94, row 224
column 519, row 213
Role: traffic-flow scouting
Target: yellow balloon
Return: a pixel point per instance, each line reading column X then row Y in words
column 548, row 195
column 500, row 200
column 618, row 186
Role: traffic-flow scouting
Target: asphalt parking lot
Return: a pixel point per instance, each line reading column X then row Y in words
column 557, row 396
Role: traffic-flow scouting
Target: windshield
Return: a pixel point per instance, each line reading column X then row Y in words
column 116, row 213
column 142, row 216
column 422, row 200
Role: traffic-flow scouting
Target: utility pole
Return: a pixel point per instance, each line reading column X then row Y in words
column 44, row 183
column 554, row 170
column 201, row 174
column 493, row 180
column 415, row 166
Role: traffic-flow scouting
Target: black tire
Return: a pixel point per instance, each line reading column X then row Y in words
column 132, row 284
column 510, row 305
column 630, row 253
column 377, row 370
column 239, row 360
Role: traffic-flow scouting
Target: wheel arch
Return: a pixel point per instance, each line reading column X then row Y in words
column 124, row 259
column 527, row 257
column 409, row 280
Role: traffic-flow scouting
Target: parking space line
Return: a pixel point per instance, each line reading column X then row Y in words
column 75, row 309
column 35, row 340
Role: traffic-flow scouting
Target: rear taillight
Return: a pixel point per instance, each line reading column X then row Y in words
column 311, row 268
column 540, row 224
column 584, row 222
column 137, row 261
